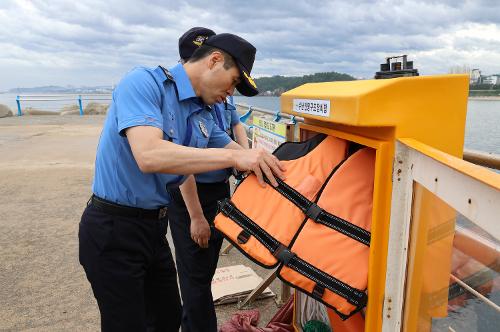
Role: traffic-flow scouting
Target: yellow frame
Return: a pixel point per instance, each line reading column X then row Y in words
column 380, row 219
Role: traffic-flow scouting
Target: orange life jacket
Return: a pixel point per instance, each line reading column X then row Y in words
column 314, row 225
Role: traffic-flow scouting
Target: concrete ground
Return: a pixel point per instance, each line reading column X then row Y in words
column 46, row 168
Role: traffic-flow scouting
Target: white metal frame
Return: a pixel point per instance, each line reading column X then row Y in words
column 474, row 199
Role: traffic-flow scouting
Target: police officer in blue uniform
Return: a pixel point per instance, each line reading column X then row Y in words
column 158, row 129
column 191, row 214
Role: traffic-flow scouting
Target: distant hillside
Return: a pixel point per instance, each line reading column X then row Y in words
column 276, row 85
column 271, row 86
column 60, row 89
column 484, row 90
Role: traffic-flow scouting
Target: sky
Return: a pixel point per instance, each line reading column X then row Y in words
column 93, row 43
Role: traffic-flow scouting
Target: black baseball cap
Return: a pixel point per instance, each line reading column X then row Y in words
column 243, row 53
column 191, row 40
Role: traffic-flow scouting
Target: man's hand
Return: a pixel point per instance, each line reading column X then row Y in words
column 200, row 231
column 261, row 163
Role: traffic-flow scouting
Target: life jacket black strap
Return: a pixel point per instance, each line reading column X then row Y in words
column 343, row 226
column 323, row 280
column 313, row 211
column 319, row 215
column 291, row 194
column 284, row 255
column 249, row 226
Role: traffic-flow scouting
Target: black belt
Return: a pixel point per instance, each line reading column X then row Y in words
column 126, row 211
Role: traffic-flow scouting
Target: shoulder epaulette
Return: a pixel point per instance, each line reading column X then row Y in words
column 167, row 73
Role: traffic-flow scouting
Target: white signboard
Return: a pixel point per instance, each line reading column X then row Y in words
column 318, row 107
column 268, row 134
column 232, row 283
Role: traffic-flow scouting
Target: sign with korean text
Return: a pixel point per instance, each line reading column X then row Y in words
column 318, row 107
column 268, row 134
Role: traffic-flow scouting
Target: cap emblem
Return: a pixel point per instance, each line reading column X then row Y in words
column 250, row 80
column 199, row 40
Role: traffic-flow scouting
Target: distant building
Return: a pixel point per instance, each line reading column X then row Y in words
column 475, row 76
column 490, row 79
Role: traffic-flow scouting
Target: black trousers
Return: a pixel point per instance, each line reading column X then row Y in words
column 131, row 270
column 196, row 266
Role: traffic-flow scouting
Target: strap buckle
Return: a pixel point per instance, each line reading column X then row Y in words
column 284, row 255
column 225, row 207
column 243, row 237
column 318, row 291
column 313, row 211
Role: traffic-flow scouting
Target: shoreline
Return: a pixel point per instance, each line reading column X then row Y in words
column 268, row 102
column 490, row 98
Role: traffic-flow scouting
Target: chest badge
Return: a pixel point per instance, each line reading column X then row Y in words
column 203, row 129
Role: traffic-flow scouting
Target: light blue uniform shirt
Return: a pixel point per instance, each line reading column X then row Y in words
column 225, row 118
column 147, row 97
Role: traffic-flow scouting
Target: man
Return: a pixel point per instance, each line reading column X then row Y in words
column 192, row 212
column 157, row 130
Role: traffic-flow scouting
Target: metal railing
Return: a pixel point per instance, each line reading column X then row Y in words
column 477, row 157
column 277, row 116
column 482, row 158
column 78, row 98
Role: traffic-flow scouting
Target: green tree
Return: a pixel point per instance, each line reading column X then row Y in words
column 276, row 85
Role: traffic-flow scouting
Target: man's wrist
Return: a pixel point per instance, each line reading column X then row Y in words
column 199, row 221
column 196, row 215
column 233, row 155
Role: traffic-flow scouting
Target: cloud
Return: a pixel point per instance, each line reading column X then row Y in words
column 96, row 42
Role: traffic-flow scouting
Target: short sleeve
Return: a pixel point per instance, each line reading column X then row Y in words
column 218, row 138
column 235, row 116
column 138, row 101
